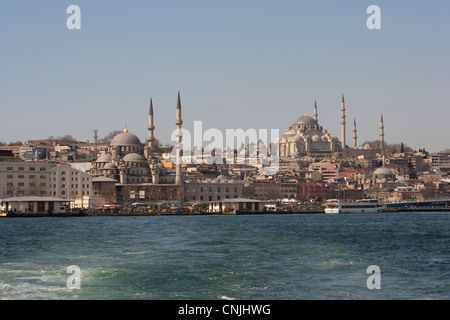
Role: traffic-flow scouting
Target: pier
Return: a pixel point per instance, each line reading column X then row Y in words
column 436, row 204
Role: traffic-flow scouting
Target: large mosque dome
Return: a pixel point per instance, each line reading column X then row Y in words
column 125, row 139
column 306, row 137
column 305, row 120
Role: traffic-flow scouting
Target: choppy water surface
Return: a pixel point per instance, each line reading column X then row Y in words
column 287, row 257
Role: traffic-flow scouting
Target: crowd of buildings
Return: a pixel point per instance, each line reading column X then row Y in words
column 313, row 166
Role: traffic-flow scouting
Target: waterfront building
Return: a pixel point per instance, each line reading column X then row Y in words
column 310, row 190
column 238, row 205
column 104, row 190
column 35, row 205
column 200, row 191
column 19, row 178
column 71, row 184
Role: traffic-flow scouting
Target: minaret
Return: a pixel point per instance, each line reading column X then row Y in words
column 382, row 138
column 178, row 123
column 315, row 110
column 354, row 134
column 151, row 127
column 343, row 123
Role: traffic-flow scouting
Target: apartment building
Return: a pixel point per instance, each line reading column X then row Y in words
column 19, row 178
column 69, row 183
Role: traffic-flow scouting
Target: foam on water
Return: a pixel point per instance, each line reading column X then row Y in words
column 218, row 257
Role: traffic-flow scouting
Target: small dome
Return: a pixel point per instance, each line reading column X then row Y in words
column 315, row 138
column 104, row 158
column 290, row 132
column 125, row 139
column 110, row 166
column 382, row 171
column 324, row 139
column 133, row 157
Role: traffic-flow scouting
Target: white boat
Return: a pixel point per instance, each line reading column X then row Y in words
column 358, row 206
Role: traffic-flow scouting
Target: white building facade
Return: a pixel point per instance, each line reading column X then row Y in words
column 74, row 185
column 20, row 178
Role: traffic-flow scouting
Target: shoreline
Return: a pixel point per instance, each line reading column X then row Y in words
column 145, row 214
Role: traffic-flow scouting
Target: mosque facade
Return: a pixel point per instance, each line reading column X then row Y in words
column 307, row 138
column 129, row 161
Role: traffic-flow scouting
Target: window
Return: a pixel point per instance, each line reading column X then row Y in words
column 32, row 168
column 21, row 168
column 9, row 168
column 9, row 176
column 43, row 169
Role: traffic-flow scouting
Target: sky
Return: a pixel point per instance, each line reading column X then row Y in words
column 237, row 63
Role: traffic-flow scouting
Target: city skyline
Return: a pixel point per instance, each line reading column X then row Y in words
column 252, row 64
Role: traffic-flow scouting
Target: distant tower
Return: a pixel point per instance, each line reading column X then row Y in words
column 315, row 110
column 343, row 123
column 178, row 123
column 96, row 143
column 151, row 127
column 354, row 134
column 382, row 138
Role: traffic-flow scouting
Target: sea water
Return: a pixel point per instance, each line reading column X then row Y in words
column 273, row 256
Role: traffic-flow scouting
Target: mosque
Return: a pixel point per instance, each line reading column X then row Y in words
column 131, row 162
column 307, row 138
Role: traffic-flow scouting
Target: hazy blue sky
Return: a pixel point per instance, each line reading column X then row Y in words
column 239, row 64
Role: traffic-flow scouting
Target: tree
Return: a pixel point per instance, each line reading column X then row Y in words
column 108, row 138
column 17, row 143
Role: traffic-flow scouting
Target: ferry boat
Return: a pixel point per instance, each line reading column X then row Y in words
column 358, row 206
